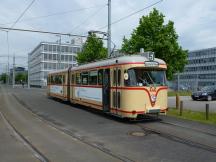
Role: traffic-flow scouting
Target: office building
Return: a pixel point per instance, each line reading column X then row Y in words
column 200, row 70
column 49, row 56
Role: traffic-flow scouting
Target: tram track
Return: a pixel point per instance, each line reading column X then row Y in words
column 178, row 138
column 76, row 136
column 40, row 156
column 145, row 127
column 194, row 129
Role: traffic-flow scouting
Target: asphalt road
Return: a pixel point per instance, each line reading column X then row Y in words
column 188, row 103
column 149, row 141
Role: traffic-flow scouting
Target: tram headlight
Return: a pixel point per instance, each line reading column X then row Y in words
column 153, row 98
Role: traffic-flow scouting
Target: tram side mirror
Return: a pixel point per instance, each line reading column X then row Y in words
column 126, row 76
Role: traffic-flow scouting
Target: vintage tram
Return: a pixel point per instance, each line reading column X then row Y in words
column 126, row 86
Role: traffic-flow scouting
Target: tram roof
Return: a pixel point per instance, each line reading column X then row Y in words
column 112, row 61
column 117, row 60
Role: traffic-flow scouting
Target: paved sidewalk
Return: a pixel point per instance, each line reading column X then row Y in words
column 11, row 149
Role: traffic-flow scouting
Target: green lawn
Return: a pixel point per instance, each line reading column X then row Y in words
column 193, row 115
column 181, row 93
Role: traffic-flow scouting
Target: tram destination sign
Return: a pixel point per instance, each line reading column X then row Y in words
column 151, row 64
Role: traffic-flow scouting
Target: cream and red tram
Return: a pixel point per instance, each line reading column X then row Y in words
column 126, row 86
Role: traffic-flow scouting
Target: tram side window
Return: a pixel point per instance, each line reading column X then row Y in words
column 100, row 77
column 114, row 77
column 58, row 79
column 72, row 79
column 84, row 78
column 131, row 81
column 48, row 79
column 78, row 79
column 52, row 80
column 63, row 79
column 93, row 78
column 119, row 77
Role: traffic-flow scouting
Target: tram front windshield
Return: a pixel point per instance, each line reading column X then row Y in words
column 145, row 77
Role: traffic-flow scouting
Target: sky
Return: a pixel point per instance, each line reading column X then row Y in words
column 194, row 21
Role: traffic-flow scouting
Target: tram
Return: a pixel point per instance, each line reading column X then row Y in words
column 126, row 86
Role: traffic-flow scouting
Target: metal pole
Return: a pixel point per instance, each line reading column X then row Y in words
column 13, row 82
column 177, row 100
column 8, row 59
column 28, row 72
column 59, row 58
column 109, row 29
column 181, row 108
column 207, row 111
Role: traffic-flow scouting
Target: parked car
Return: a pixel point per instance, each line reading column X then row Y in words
column 206, row 93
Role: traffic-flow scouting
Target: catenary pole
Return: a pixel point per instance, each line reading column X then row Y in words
column 8, row 68
column 13, row 82
column 109, row 29
column 28, row 73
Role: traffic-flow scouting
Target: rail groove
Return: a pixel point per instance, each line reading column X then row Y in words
column 178, row 139
column 40, row 156
column 73, row 135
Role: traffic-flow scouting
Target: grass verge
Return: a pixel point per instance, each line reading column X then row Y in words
column 181, row 93
column 193, row 115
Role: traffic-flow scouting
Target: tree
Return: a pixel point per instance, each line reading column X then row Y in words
column 21, row 77
column 92, row 50
column 153, row 35
column 3, row 77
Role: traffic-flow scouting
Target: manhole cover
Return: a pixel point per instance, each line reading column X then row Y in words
column 138, row 134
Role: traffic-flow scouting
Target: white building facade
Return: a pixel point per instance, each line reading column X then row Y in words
column 48, row 56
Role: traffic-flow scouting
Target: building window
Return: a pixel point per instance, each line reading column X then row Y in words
column 66, row 58
column 62, row 57
column 45, row 56
column 50, row 48
column 54, row 57
column 58, row 48
column 74, row 50
column 45, row 65
column 74, row 58
column 62, row 48
column 70, row 50
column 70, row 58
column 54, row 48
column 66, row 49
column 45, row 47
column 50, row 56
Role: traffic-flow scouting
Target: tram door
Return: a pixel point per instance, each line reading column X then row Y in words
column 106, row 90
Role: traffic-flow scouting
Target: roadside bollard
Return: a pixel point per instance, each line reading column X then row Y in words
column 181, row 108
column 177, row 100
column 207, row 111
